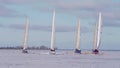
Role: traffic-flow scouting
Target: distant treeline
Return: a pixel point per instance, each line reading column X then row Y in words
column 30, row 48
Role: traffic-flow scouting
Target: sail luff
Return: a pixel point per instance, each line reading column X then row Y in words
column 25, row 34
column 53, row 32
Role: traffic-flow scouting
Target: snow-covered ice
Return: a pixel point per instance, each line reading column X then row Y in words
column 63, row 59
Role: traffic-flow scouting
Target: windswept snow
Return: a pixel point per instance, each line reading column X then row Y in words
column 62, row 59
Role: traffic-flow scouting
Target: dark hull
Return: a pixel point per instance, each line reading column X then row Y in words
column 24, row 51
column 52, row 52
column 95, row 51
column 77, row 51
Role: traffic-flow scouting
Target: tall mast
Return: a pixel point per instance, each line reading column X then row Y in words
column 99, row 31
column 95, row 37
column 78, row 36
column 77, row 50
column 25, row 36
column 53, row 32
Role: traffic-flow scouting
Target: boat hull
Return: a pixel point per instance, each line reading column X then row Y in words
column 52, row 52
column 24, row 51
column 77, row 51
column 95, row 51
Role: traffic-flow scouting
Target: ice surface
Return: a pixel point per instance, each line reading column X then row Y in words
column 62, row 59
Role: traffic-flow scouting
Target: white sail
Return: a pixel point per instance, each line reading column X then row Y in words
column 25, row 35
column 99, row 31
column 95, row 36
column 78, row 36
column 53, row 32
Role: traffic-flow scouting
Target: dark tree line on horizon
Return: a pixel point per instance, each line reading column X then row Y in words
column 31, row 48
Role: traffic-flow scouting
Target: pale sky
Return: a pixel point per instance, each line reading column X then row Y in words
column 39, row 12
